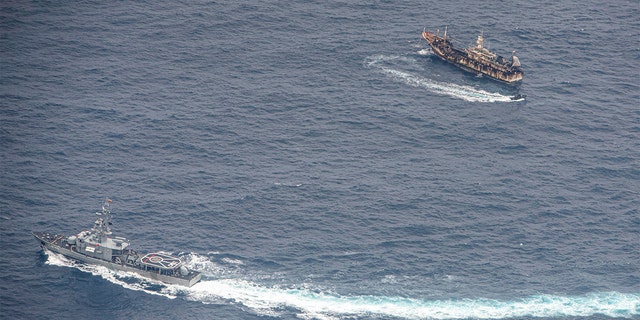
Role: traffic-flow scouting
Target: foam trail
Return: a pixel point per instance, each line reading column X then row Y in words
column 266, row 300
column 313, row 304
column 457, row 91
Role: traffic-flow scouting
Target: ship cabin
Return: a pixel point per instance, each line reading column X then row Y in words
column 98, row 245
column 480, row 53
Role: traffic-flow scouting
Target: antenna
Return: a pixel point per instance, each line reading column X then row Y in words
column 104, row 219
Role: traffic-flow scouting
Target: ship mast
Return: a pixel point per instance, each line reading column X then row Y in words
column 101, row 226
column 480, row 41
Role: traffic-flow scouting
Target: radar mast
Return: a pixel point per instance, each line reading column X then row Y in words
column 102, row 224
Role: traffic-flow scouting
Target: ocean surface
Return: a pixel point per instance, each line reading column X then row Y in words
column 314, row 159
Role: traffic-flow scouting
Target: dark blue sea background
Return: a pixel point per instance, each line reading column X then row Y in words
column 315, row 160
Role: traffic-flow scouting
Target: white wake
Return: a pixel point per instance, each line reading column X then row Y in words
column 381, row 63
column 315, row 304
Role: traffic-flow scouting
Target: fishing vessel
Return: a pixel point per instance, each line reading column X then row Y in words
column 97, row 246
column 477, row 59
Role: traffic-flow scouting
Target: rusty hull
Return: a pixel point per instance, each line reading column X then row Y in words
column 500, row 69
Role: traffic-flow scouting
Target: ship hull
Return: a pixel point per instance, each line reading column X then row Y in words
column 54, row 244
column 445, row 50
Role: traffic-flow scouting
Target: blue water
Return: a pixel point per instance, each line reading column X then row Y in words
column 316, row 161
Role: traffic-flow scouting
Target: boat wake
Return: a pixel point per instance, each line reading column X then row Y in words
column 382, row 62
column 319, row 305
column 307, row 303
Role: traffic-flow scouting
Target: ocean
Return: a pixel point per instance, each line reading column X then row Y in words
column 315, row 160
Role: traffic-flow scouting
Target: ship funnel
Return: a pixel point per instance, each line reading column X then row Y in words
column 480, row 41
column 515, row 62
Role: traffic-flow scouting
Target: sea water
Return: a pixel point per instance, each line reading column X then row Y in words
column 314, row 160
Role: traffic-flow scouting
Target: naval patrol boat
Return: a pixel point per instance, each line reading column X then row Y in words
column 97, row 246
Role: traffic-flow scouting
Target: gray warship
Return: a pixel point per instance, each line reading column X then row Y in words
column 97, row 246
